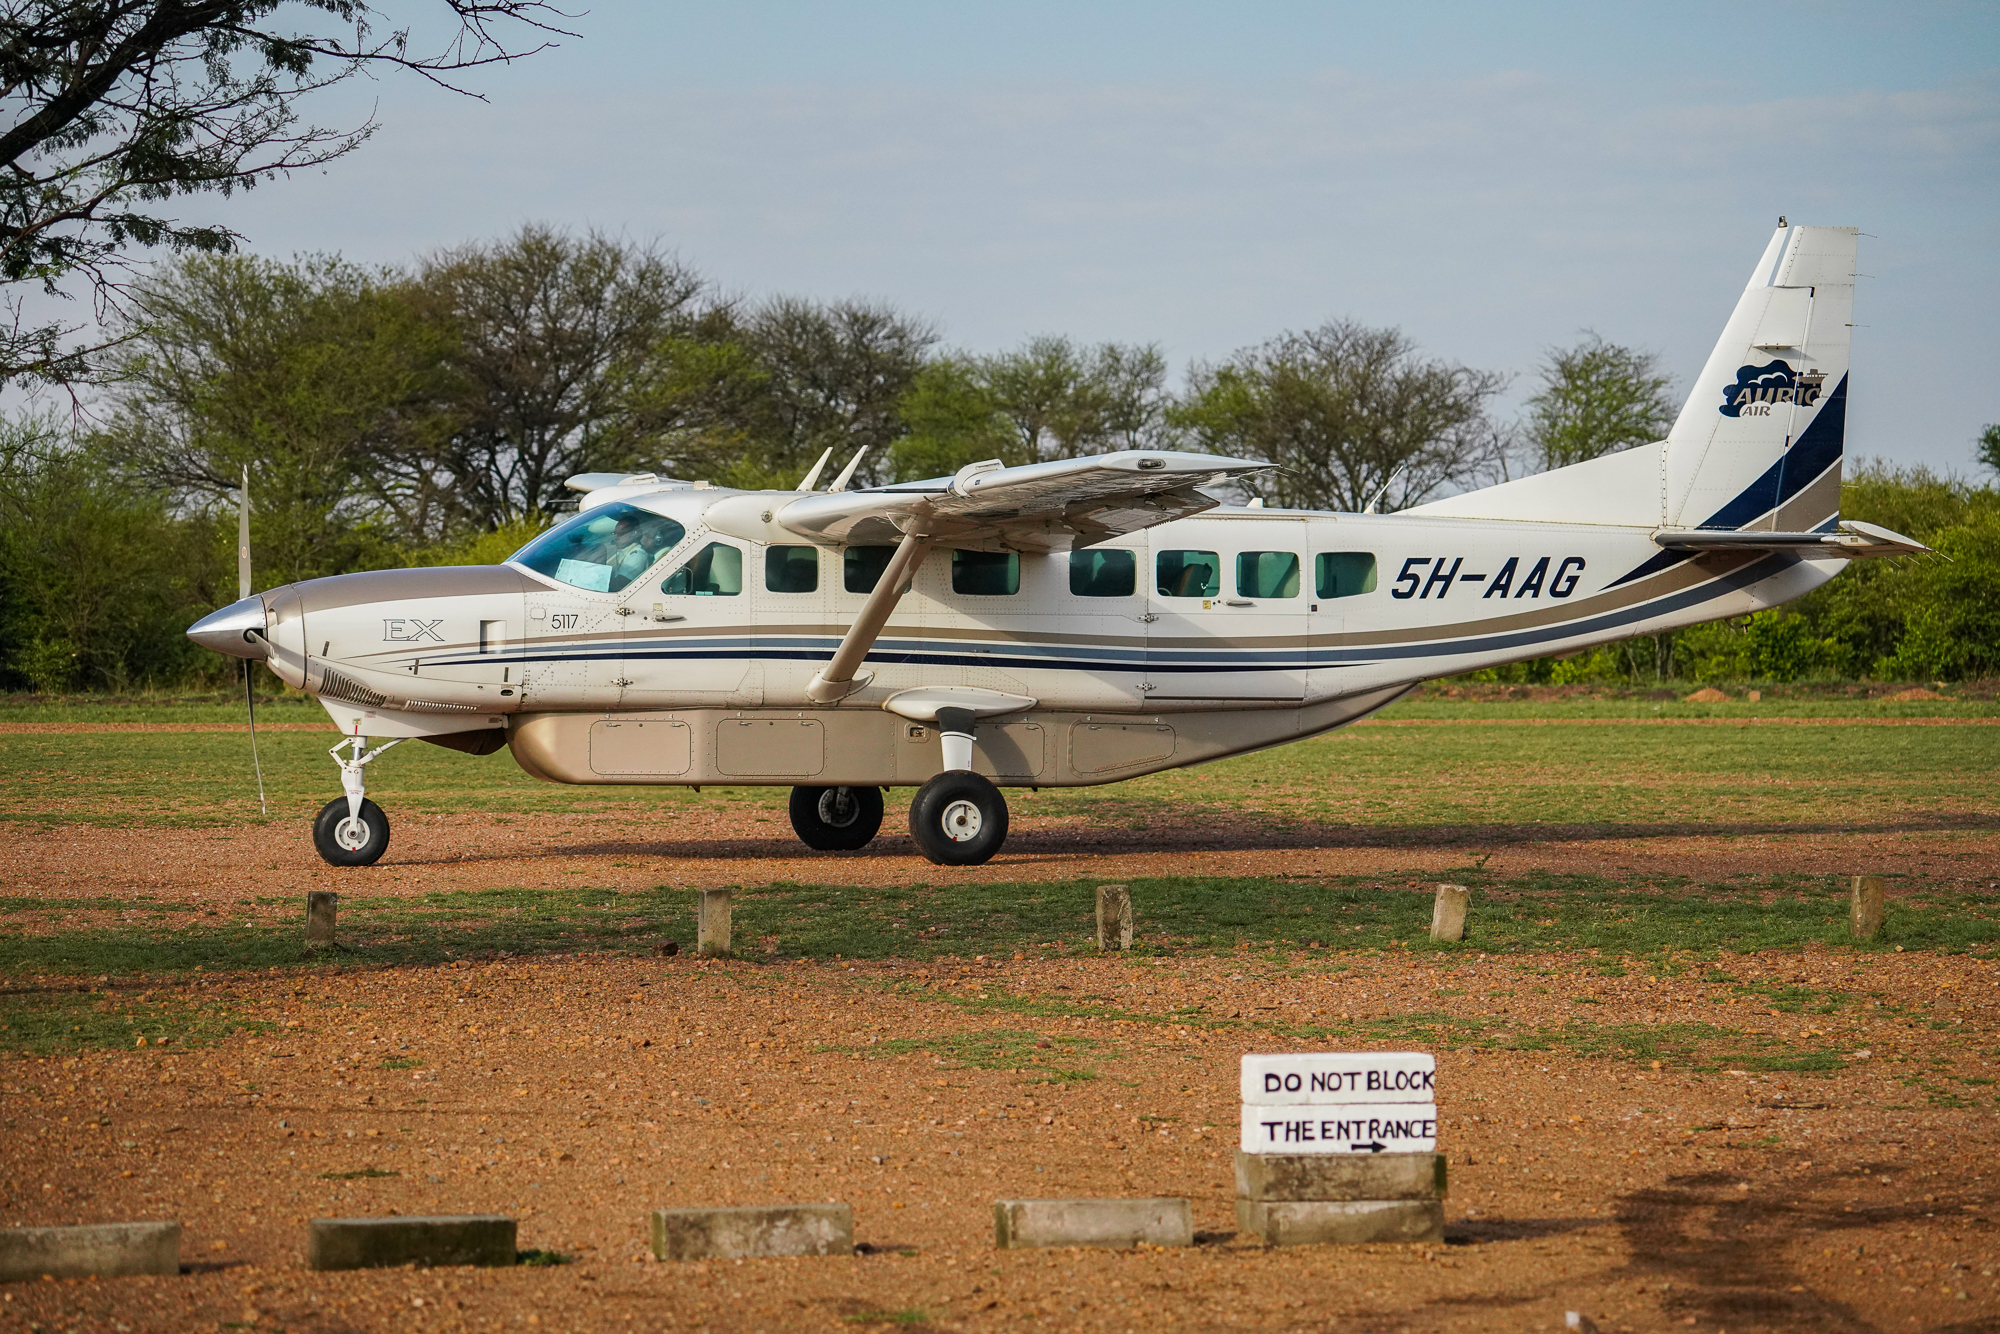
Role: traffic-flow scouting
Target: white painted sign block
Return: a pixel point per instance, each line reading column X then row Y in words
column 1363, row 1128
column 1276, row 1080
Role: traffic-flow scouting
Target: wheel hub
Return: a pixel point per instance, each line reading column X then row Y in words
column 838, row 808
column 962, row 821
column 351, row 834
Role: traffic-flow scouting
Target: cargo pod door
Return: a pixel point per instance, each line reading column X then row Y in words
column 1229, row 611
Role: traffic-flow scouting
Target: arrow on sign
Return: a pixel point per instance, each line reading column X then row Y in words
column 1371, row 1148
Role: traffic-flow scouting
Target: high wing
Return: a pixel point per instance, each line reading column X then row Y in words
column 1036, row 507
column 1853, row 539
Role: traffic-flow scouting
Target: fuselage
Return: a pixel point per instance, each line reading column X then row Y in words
column 1228, row 631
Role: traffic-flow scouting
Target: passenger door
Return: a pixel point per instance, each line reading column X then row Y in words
column 1229, row 611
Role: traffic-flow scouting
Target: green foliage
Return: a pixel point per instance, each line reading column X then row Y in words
column 116, row 108
column 1349, row 413
column 97, row 576
column 1989, row 447
column 1596, row 398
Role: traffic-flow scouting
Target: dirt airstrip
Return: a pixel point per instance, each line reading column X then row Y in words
column 578, row 1092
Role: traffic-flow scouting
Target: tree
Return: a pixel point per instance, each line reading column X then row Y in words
column 324, row 379
column 752, row 398
column 120, row 106
column 1596, row 398
column 549, row 334
column 1989, row 447
column 1048, row 400
column 98, row 579
column 1348, row 413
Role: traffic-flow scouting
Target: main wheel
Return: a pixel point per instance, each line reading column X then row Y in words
column 959, row 819
column 836, row 819
column 342, row 841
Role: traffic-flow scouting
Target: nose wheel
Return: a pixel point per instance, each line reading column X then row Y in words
column 352, row 830
column 350, row 840
column 959, row 819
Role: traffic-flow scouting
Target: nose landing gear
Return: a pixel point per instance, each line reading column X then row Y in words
column 352, row 830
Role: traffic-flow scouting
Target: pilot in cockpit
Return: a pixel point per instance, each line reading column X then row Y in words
column 630, row 556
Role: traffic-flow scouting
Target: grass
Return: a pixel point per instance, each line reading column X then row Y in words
column 1396, row 783
column 42, row 1023
column 1668, row 925
column 1022, row 1051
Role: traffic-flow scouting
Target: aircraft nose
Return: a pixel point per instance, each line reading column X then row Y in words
column 228, row 631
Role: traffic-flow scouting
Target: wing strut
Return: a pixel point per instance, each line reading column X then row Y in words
column 836, row 680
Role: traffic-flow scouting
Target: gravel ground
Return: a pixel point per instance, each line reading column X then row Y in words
column 577, row 1093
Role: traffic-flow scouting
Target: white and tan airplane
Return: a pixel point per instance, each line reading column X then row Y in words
column 1067, row 623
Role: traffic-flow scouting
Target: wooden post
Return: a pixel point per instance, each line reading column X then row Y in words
column 1864, row 907
column 713, row 927
column 1114, row 917
column 321, row 907
column 1448, row 912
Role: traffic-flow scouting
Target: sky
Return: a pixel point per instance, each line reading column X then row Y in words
column 1492, row 179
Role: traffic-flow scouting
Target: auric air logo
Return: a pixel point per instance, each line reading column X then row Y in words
column 1759, row 388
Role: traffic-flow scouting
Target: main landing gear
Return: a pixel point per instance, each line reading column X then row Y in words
column 836, row 819
column 352, row 830
column 958, row 818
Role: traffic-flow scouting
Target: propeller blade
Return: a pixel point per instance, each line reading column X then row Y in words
column 249, row 666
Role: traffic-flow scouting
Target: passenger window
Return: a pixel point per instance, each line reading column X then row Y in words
column 1103, row 573
column 715, row 571
column 791, row 569
column 1267, row 574
column 1189, row 574
column 861, row 567
column 1344, row 574
column 986, row 573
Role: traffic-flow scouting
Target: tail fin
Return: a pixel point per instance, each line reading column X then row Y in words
column 1758, row 443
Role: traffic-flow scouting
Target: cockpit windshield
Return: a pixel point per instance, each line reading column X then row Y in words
column 602, row 549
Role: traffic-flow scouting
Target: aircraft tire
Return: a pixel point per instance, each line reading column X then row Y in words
column 959, row 819
column 825, row 822
column 335, row 850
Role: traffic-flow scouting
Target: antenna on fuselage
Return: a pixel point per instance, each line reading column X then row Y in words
column 813, row 476
column 1369, row 508
column 249, row 664
column 840, row 482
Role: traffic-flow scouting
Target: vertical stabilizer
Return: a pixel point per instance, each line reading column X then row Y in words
column 1758, row 443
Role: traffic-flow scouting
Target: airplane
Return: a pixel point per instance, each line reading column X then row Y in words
column 1067, row 623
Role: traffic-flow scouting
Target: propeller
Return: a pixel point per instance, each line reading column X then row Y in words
column 249, row 664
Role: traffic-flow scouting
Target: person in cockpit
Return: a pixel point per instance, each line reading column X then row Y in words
column 630, row 555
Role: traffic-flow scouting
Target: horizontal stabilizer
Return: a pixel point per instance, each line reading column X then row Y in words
column 1853, row 539
column 1036, row 507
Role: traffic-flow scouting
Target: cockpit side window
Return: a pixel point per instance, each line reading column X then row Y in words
column 715, row 571
column 604, row 549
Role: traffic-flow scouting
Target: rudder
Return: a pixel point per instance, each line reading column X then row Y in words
column 1758, row 443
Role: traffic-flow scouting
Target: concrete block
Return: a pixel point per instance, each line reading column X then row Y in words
column 384, row 1243
column 322, row 905
column 712, row 927
column 1114, row 917
column 1865, row 907
column 1301, row 1176
column 106, row 1250
column 1448, row 912
column 1340, row 1222
column 1023, row 1224
column 753, row 1233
